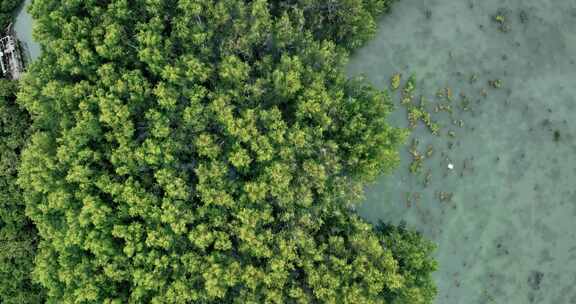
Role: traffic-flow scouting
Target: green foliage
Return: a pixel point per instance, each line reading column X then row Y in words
column 349, row 23
column 206, row 152
column 18, row 237
column 418, row 112
column 417, row 157
column 412, row 251
column 497, row 83
column 7, row 8
column 395, row 81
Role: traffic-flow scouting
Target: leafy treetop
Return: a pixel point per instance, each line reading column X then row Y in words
column 18, row 237
column 204, row 152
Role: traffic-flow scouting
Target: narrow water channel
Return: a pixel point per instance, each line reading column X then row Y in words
column 23, row 29
column 504, row 217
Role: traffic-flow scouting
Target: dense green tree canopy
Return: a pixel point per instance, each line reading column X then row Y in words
column 413, row 256
column 349, row 23
column 7, row 8
column 18, row 237
column 209, row 152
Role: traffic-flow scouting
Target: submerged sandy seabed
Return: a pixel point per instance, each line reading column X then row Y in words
column 509, row 233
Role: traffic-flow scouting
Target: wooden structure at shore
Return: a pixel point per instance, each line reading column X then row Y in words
column 10, row 57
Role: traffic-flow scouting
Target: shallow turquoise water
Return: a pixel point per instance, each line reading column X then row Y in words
column 23, row 29
column 509, row 233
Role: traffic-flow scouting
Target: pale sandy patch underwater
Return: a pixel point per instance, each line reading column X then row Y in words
column 509, row 233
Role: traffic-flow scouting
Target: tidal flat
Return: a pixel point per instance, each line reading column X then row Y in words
column 504, row 216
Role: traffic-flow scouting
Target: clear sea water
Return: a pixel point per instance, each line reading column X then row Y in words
column 509, row 233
